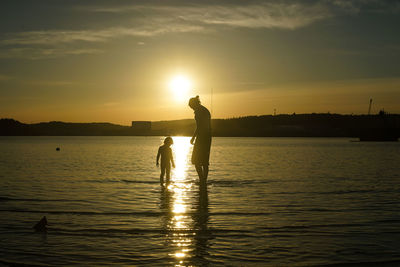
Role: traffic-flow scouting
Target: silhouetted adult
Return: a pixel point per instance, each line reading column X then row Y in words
column 201, row 139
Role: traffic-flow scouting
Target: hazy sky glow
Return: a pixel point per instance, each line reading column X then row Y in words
column 113, row 61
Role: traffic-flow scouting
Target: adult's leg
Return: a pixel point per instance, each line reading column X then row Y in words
column 205, row 172
column 199, row 170
column 206, row 158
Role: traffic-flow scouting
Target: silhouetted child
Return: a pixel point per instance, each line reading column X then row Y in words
column 165, row 152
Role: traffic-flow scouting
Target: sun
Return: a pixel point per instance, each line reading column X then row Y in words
column 180, row 85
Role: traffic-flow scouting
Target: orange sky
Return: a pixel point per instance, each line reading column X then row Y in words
column 102, row 61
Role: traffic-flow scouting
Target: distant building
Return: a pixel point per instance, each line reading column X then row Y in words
column 141, row 125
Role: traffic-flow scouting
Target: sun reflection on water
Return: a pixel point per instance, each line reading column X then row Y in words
column 181, row 152
column 180, row 221
column 186, row 211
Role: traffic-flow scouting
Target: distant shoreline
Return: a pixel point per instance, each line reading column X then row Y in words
column 295, row 125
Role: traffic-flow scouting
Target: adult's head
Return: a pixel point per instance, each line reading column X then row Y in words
column 194, row 102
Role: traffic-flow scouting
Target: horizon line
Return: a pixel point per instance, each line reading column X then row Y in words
column 228, row 118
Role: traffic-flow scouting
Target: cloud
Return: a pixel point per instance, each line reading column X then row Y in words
column 158, row 20
column 150, row 20
column 166, row 19
column 55, row 37
column 263, row 13
column 270, row 15
column 46, row 44
column 366, row 6
column 41, row 53
column 274, row 14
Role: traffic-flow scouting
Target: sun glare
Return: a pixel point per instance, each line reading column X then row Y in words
column 181, row 221
column 180, row 86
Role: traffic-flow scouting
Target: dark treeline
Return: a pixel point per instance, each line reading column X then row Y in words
column 302, row 125
column 13, row 127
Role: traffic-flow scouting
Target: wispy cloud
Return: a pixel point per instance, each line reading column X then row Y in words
column 58, row 43
column 40, row 53
column 55, row 37
column 274, row 14
column 166, row 19
column 258, row 14
column 270, row 15
column 150, row 20
column 370, row 6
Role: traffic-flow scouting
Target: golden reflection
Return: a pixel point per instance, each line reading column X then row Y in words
column 181, row 149
column 185, row 214
column 179, row 254
column 180, row 189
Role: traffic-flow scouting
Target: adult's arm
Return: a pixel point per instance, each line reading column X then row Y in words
column 194, row 136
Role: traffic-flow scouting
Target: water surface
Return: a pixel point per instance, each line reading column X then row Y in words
column 270, row 201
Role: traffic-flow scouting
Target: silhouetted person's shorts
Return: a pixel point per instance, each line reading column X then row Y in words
column 201, row 151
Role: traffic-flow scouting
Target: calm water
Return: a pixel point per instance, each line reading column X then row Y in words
column 270, row 201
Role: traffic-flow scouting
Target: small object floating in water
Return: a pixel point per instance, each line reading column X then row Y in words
column 41, row 225
column 57, row 149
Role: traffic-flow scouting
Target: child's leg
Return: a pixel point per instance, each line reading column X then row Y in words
column 168, row 173
column 162, row 175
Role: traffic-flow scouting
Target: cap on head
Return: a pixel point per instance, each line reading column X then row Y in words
column 194, row 101
column 168, row 140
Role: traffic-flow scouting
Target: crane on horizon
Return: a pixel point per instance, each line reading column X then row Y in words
column 369, row 109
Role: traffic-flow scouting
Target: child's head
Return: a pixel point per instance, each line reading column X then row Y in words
column 168, row 141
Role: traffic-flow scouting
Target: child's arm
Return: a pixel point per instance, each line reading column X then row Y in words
column 158, row 155
column 172, row 159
